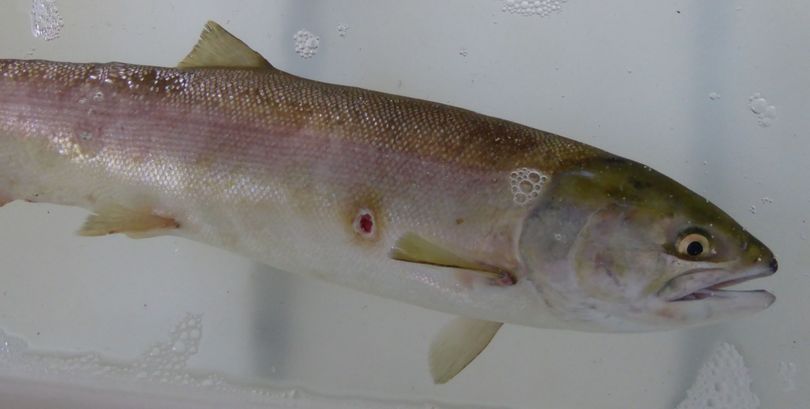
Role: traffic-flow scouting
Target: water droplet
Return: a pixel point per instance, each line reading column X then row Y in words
column 753, row 209
column 98, row 96
column 558, row 236
column 463, row 52
column 714, row 96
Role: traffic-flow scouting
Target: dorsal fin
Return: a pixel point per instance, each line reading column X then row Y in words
column 217, row 48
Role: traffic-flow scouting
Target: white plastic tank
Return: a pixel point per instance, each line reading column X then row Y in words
column 713, row 94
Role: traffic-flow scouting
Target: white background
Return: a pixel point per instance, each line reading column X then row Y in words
column 631, row 77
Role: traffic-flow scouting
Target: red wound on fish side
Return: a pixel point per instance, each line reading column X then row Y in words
column 364, row 223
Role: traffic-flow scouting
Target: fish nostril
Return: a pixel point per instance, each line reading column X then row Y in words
column 774, row 265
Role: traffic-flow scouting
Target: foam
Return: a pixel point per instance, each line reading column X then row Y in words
column 164, row 364
column 46, row 22
column 723, row 382
column 540, row 8
column 306, row 43
column 526, row 185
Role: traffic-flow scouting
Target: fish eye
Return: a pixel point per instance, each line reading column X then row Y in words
column 694, row 244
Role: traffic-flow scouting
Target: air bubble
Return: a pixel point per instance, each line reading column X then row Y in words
column 714, row 96
column 179, row 347
column 765, row 112
column 526, row 183
column 306, row 44
column 342, row 30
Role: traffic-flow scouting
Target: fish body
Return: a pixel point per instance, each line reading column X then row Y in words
column 403, row 198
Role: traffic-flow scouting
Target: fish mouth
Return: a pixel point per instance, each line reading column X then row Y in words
column 711, row 283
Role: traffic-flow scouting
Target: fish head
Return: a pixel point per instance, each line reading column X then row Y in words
column 613, row 245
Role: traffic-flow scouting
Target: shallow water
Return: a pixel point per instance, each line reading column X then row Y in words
column 711, row 94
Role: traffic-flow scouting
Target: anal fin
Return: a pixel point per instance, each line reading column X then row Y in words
column 133, row 223
column 458, row 344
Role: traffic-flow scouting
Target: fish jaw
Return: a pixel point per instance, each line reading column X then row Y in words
column 701, row 297
column 702, row 283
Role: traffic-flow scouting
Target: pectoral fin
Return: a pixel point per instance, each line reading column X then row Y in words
column 217, row 48
column 133, row 223
column 457, row 344
column 415, row 249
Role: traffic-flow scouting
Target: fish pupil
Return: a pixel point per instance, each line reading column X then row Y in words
column 694, row 248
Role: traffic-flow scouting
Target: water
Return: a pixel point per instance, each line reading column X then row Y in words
column 165, row 364
column 674, row 90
